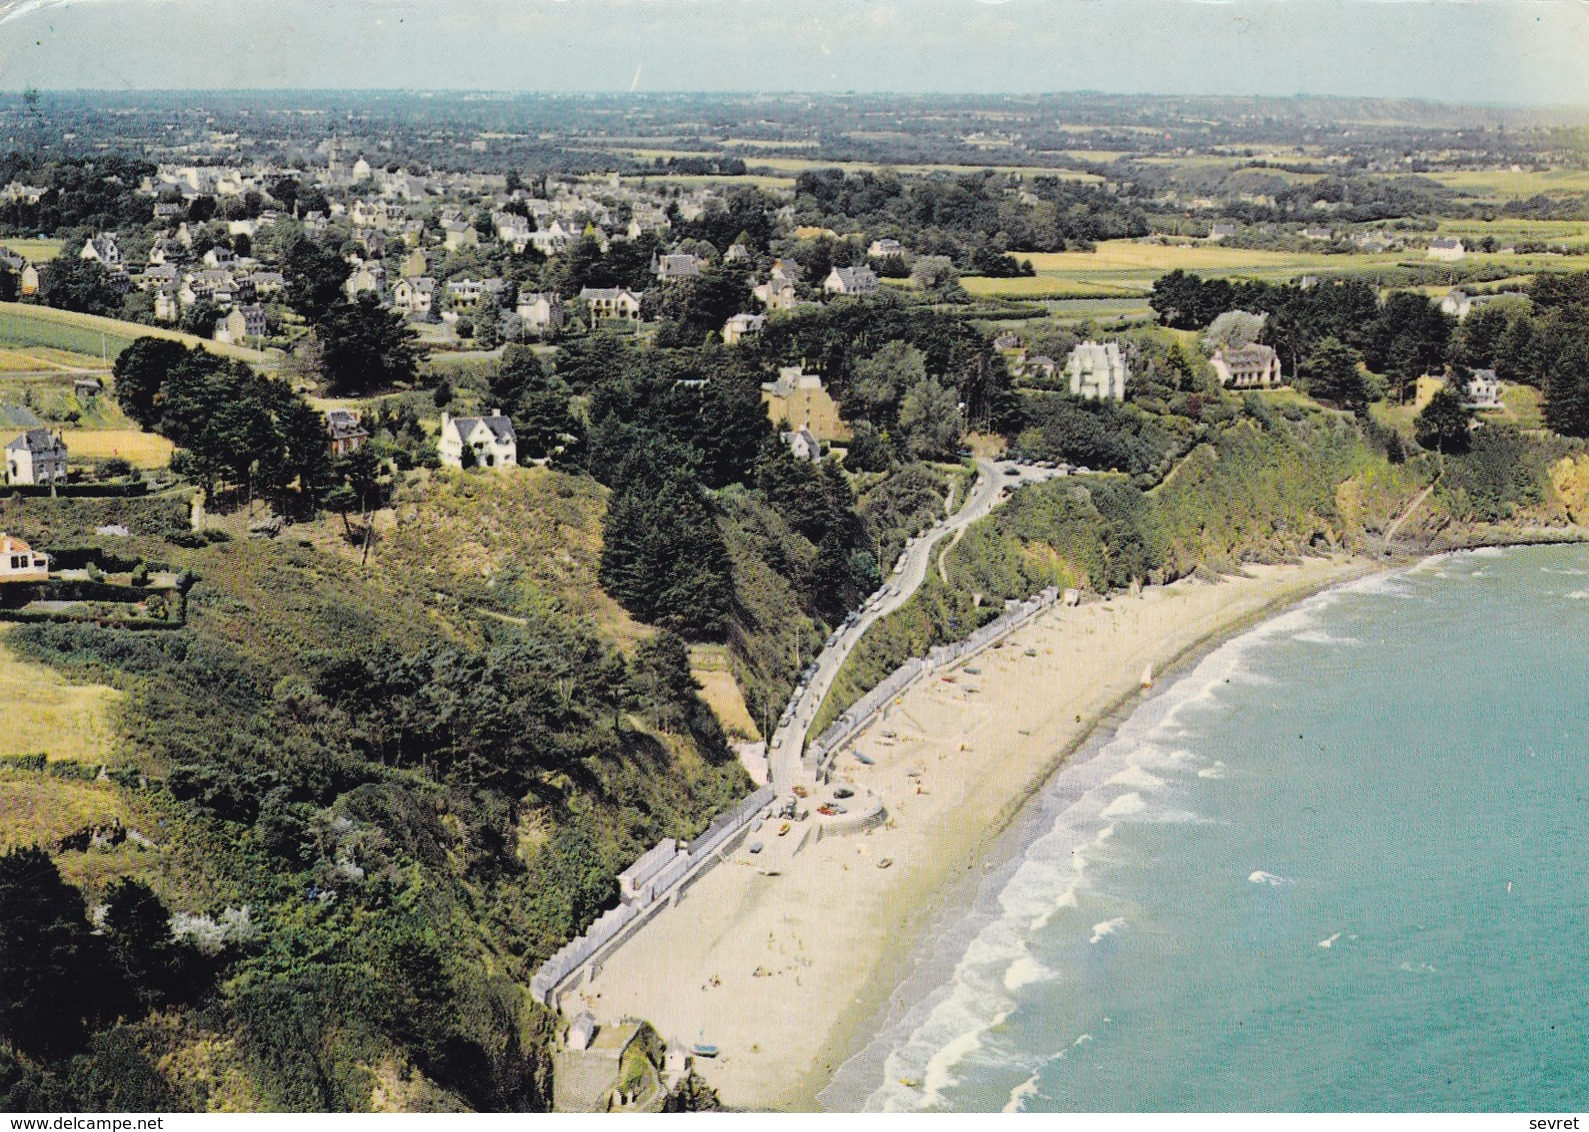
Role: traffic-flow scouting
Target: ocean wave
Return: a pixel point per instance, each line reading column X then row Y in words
column 1018, row 1095
column 1024, row 972
column 1485, row 552
column 1577, row 595
column 1134, row 775
column 1107, row 928
column 1565, row 570
column 939, row 1072
column 1217, row 770
column 1329, row 943
column 1127, row 804
column 1320, row 637
column 1258, row 876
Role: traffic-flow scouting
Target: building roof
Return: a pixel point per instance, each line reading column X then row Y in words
column 1252, row 355
column 34, row 440
column 10, row 544
column 344, row 424
column 501, row 428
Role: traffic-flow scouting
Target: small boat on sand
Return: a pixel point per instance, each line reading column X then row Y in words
column 704, row 1049
column 885, row 862
column 863, row 759
column 1147, row 677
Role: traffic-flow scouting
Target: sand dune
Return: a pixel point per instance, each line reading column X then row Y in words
column 783, row 971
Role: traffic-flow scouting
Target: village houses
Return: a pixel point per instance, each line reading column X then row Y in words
column 613, row 302
column 344, row 432
column 850, row 281
column 741, row 326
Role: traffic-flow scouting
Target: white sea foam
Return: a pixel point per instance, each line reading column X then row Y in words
column 1053, row 874
column 1123, row 806
column 1018, row 1095
column 939, row 1074
column 1024, row 972
column 1328, row 943
column 1485, row 552
column 1564, row 570
column 1218, row 770
column 1577, row 595
column 1134, row 775
column 1258, row 876
column 1107, row 928
column 1320, row 637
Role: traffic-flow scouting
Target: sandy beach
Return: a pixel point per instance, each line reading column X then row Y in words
column 781, row 958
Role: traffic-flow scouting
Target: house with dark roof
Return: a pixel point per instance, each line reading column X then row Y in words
column 490, row 439
column 1254, row 366
column 36, row 457
column 675, row 266
column 613, row 302
column 344, row 431
column 850, row 281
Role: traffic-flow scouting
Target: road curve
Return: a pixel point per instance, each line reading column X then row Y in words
column 789, row 740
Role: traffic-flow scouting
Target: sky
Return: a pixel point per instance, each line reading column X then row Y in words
column 1510, row 52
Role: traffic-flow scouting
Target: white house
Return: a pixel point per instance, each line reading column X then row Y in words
column 36, row 457
column 887, row 246
column 1253, row 366
column 540, row 310
column 742, row 325
column 1220, row 230
column 490, row 438
column 1447, row 248
column 802, row 445
column 850, row 281
column 1483, row 390
column 241, row 324
column 613, row 302
column 102, row 248
column 415, row 295
column 1097, row 371
column 19, row 562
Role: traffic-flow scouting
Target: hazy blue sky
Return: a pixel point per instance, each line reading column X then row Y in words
column 1506, row 51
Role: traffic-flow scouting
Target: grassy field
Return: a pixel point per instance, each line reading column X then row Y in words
column 143, row 449
column 709, row 665
column 1125, row 268
column 34, row 251
column 45, row 714
column 1502, row 185
column 1509, row 231
column 41, row 359
column 95, row 337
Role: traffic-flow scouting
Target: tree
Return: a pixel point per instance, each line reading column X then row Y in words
column 48, row 980
column 74, row 284
column 140, row 372
column 1567, row 390
column 1331, row 374
column 365, row 347
column 315, row 274
column 1445, row 422
column 878, row 382
column 929, row 418
column 137, row 926
column 1234, row 328
column 663, row 557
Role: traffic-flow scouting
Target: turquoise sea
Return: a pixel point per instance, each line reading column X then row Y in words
column 1340, row 864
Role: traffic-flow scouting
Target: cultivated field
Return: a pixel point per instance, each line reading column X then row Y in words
column 46, row 359
column 46, row 715
column 142, row 449
column 1125, row 268
column 96, row 337
column 34, row 251
column 1501, row 185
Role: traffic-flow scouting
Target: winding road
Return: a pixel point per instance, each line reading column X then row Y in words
column 789, row 739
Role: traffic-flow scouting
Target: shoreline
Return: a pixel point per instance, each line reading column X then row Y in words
column 790, row 959
column 1027, row 819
